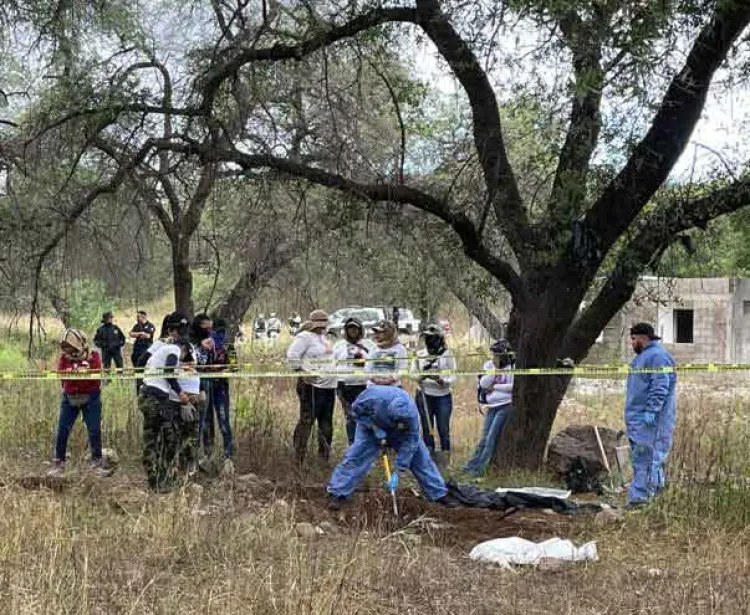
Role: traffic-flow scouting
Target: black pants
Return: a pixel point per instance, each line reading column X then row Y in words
column 348, row 395
column 314, row 405
column 135, row 359
column 112, row 354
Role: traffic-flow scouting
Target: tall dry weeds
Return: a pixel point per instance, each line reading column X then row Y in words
column 109, row 546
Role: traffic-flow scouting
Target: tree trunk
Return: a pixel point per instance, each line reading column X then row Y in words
column 60, row 306
column 182, row 277
column 238, row 302
column 540, row 335
column 525, row 435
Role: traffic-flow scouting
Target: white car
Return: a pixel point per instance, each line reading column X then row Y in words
column 368, row 316
column 371, row 315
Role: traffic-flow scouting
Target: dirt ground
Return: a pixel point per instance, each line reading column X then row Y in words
column 415, row 564
column 371, row 506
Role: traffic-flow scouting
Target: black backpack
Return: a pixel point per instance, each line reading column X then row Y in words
column 481, row 393
column 578, row 479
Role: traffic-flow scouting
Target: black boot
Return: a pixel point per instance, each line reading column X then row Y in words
column 335, row 502
column 448, row 501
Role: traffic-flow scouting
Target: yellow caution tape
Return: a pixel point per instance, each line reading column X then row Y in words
column 254, row 372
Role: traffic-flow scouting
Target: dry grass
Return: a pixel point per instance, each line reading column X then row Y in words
column 108, row 546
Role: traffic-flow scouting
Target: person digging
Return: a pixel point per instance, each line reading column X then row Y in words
column 387, row 418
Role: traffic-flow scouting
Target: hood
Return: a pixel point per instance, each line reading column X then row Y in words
column 77, row 340
column 349, row 322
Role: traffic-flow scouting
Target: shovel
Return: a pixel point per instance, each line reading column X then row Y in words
column 387, row 468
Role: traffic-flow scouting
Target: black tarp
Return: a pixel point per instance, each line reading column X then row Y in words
column 475, row 497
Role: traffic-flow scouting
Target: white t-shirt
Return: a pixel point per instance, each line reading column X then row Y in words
column 344, row 352
column 498, row 386
column 156, row 363
column 312, row 353
column 384, row 361
column 190, row 382
column 426, row 362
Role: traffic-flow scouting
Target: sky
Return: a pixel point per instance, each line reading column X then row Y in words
column 718, row 143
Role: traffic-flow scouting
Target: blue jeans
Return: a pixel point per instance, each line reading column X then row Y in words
column 494, row 422
column 438, row 412
column 362, row 455
column 220, row 399
column 217, row 393
column 348, row 395
column 92, row 416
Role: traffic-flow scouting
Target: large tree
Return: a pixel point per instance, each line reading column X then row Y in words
column 280, row 93
column 596, row 231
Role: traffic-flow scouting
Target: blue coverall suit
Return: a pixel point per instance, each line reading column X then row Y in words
column 650, row 415
column 386, row 412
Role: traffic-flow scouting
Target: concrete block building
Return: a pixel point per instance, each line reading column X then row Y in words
column 698, row 319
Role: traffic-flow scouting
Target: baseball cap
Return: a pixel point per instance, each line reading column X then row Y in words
column 433, row 329
column 643, row 328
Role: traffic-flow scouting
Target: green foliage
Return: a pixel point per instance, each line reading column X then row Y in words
column 12, row 356
column 88, row 301
column 719, row 251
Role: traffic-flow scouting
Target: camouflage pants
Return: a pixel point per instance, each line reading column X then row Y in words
column 190, row 435
column 161, row 440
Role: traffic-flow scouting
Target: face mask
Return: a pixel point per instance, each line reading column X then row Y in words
column 202, row 333
column 501, row 360
column 433, row 343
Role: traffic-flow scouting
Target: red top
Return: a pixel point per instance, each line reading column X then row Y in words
column 80, row 387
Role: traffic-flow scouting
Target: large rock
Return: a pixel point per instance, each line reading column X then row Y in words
column 580, row 441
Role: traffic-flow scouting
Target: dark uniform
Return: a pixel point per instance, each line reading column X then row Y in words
column 110, row 338
column 142, row 344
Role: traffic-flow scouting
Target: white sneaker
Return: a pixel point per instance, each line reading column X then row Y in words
column 57, row 469
column 228, row 469
column 98, row 469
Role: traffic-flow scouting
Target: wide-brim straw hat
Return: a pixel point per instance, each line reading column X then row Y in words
column 319, row 319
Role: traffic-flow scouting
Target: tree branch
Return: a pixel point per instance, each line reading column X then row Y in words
column 653, row 234
column 461, row 224
column 655, row 156
column 192, row 215
column 149, row 195
column 501, row 184
column 109, row 187
column 234, row 58
column 569, row 187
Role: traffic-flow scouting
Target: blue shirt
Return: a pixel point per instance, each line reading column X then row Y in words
column 650, row 393
column 391, row 411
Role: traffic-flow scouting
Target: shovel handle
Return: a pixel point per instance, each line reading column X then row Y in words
column 387, row 468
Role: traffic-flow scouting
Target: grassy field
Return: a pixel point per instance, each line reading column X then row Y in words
column 101, row 546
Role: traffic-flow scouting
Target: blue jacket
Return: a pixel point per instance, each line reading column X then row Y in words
column 390, row 413
column 651, row 393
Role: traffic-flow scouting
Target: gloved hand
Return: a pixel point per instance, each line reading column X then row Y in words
column 392, row 484
column 188, row 413
column 649, row 419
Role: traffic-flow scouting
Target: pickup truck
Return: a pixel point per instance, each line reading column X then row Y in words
column 368, row 316
column 371, row 315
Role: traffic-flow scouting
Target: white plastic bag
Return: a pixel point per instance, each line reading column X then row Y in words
column 514, row 550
